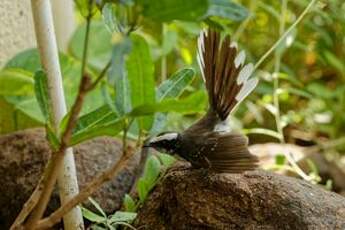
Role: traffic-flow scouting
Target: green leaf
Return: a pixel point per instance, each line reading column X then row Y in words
column 52, row 138
column 227, row 9
column 151, row 171
column 142, row 190
column 99, row 49
column 175, row 85
column 166, row 159
column 108, row 129
column 97, row 206
column 280, row 159
column 42, row 95
column 140, row 70
column 100, row 116
column 84, row 6
column 15, row 81
column 192, row 104
column 168, row 10
column 334, row 61
column 121, row 216
column 28, row 61
column 93, row 217
column 28, row 106
column 129, row 203
column 171, row 88
column 169, row 42
column 118, row 75
column 109, row 17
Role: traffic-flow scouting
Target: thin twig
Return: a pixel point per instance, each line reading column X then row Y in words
column 50, row 175
column 287, row 32
column 56, row 216
column 278, row 56
column 57, row 159
column 86, row 38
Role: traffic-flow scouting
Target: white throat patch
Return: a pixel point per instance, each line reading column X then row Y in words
column 167, row 136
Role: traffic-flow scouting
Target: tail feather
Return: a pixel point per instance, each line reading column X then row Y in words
column 229, row 153
column 223, row 70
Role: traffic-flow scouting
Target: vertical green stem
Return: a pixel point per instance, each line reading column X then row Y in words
column 277, row 64
column 164, row 58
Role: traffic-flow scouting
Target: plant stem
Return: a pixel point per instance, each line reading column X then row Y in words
column 51, row 173
column 56, row 216
column 277, row 115
column 164, row 57
column 299, row 19
column 68, row 186
column 86, row 38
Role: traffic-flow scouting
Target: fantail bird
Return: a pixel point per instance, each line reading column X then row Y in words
column 210, row 143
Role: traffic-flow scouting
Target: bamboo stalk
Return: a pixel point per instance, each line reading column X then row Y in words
column 67, row 179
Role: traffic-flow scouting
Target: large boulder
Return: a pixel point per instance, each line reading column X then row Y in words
column 191, row 199
column 23, row 156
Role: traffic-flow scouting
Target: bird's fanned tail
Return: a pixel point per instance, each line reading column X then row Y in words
column 223, row 70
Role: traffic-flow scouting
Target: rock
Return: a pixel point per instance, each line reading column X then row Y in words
column 190, row 199
column 22, row 158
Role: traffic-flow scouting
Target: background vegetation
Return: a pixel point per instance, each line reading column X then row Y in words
column 153, row 83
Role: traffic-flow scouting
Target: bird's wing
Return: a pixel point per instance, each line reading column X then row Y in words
column 223, row 70
column 229, row 153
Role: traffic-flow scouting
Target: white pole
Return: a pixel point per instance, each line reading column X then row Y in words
column 44, row 28
column 64, row 22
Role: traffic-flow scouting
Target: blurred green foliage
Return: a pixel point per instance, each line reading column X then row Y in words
column 163, row 41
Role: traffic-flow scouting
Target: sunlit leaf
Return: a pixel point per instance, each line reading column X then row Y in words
column 91, row 216
column 166, row 159
column 97, row 206
column 193, row 104
column 52, row 138
column 100, row 116
column 109, row 17
column 129, row 203
column 121, row 216
column 142, row 190
column 151, row 171
column 42, row 95
column 171, row 88
column 108, row 129
column 169, row 42
column 99, row 49
column 118, row 76
column 86, row 7
column 280, row 159
column 15, row 82
column 140, row 70
column 175, row 85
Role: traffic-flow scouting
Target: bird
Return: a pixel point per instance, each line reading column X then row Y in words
column 210, row 143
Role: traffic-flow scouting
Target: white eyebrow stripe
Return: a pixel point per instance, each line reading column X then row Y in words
column 167, row 136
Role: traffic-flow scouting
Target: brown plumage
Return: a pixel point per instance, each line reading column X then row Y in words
column 210, row 143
